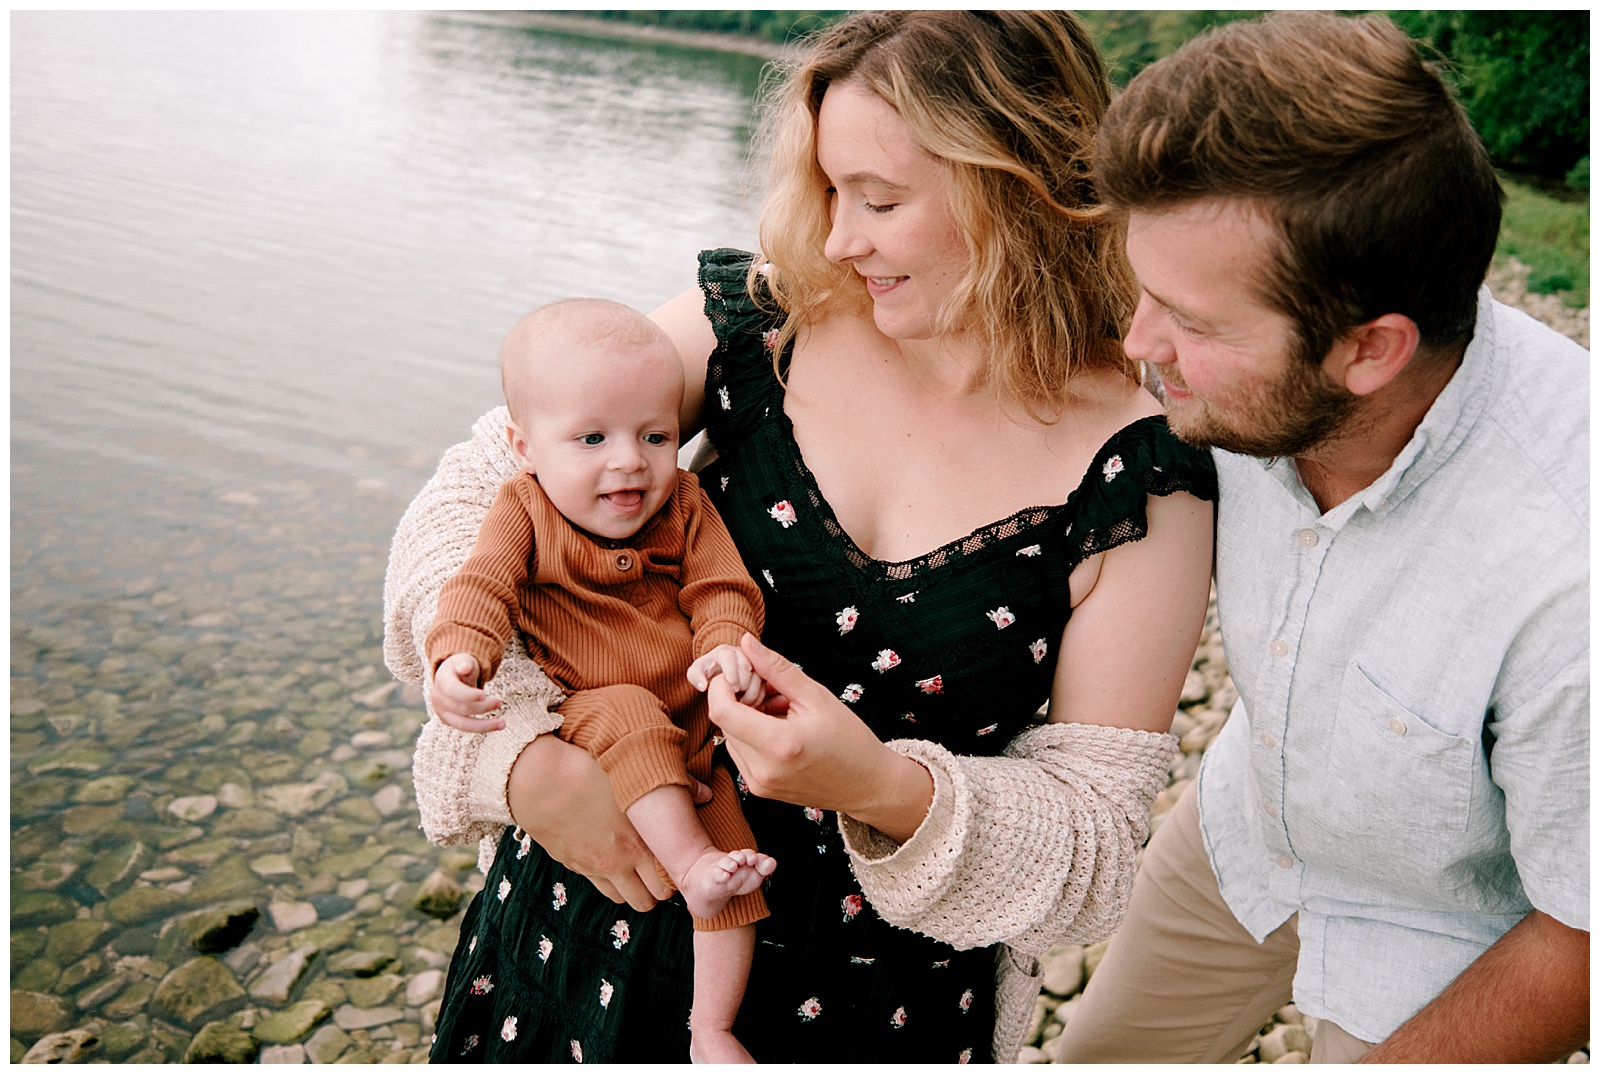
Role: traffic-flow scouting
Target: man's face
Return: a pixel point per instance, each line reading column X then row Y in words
column 1229, row 368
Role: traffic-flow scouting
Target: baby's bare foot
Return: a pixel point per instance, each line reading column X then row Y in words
column 715, row 878
column 717, row 1046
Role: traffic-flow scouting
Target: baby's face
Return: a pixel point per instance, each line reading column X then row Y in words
column 603, row 437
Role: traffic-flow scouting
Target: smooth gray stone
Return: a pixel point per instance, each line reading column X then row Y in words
column 218, row 1042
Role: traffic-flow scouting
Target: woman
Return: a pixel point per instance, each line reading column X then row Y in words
column 929, row 343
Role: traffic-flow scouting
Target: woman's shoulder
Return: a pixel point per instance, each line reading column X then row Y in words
column 741, row 379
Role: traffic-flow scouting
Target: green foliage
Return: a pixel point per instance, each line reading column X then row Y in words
column 1523, row 77
column 1131, row 40
column 777, row 26
column 1551, row 237
column 1578, row 177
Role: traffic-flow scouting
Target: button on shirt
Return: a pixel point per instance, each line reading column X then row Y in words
column 1407, row 766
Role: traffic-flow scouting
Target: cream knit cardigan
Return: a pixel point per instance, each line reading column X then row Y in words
column 1033, row 848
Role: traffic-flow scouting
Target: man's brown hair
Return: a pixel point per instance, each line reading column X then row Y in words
column 1379, row 188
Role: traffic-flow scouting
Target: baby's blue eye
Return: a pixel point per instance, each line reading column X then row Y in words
column 594, row 438
column 655, row 438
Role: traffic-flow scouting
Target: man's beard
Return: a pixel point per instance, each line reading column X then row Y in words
column 1290, row 416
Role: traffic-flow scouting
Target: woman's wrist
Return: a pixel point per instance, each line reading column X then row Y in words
column 900, row 795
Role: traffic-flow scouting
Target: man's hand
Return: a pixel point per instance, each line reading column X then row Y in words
column 456, row 699
column 732, row 664
column 1525, row 1000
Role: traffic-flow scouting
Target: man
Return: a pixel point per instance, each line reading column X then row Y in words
column 1393, row 827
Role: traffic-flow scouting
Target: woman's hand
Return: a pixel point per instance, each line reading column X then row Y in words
column 560, row 796
column 804, row 746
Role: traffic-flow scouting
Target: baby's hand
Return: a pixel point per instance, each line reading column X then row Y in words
column 455, row 691
column 730, row 662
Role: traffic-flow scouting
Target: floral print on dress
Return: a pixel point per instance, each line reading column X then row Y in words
column 769, row 339
column 1039, row 649
column 508, row 1029
column 472, row 945
column 898, row 1018
column 782, row 513
column 1031, row 550
column 1113, row 467
column 887, row 658
column 606, row 992
column 847, row 619
column 965, row 1002
column 722, row 397
column 524, row 845
column 1001, row 617
column 545, row 947
column 813, row 814
column 620, row 935
column 810, row 1009
column 482, row 986
column 942, row 964
column 558, row 890
column 851, row 693
column 740, row 785
column 988, row 730
column 909, row 717
column 466, row 1046
column 505, row 889
column 724, row 482
column 908, row 598
column 965, row 1056
column 577, row 1051
column 857, row 960
column 851, row 905
column 770, row 583
column 933, row 684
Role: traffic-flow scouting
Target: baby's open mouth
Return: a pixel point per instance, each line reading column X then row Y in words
column 625, row 499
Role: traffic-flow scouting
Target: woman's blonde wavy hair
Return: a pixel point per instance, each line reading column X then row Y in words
column 1009, row 102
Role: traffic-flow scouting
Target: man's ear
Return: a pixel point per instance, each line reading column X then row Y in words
column 518, row 443
column 1371, row 355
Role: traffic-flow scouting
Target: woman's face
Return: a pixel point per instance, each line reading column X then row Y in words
column 890, row 202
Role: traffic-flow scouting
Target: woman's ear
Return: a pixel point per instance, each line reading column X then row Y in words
column 1371, row 355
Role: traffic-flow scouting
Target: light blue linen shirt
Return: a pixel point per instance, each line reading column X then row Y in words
column 1407, row 768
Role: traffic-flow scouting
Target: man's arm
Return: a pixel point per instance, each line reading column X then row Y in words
column 1525, row 1000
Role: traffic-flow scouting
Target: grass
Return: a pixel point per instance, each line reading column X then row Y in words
column 1549, row 235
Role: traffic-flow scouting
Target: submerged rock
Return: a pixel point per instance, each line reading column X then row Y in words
column 361, row 963
column 291, row 1023
column 219, row 1042
column 34, row 1014
column 138, row 905
column 68, row 1047
column 439, row 896
column 200, row 990
column 213, row 930
column 278, row 981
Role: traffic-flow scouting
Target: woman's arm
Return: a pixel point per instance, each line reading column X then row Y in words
column 684, row 319
column 1037, row 846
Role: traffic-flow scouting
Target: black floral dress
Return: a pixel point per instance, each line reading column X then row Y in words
column 956, row 646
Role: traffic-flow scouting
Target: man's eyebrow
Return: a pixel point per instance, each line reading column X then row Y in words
column 871, row 179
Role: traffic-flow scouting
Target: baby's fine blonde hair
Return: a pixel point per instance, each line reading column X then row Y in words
column 556, row 331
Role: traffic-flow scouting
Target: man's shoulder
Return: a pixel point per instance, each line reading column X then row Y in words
column 1536, row 429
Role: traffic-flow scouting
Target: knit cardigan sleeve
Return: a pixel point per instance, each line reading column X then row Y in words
column 1034, row 848
column 460, row 777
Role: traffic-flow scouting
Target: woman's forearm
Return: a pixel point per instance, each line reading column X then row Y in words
column 899, row 802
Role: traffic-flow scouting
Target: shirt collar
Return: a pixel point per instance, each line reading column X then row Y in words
column 1441, row 431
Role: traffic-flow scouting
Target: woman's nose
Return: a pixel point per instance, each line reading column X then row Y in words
column 845, row 242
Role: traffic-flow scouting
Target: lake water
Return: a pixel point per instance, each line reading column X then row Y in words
column 261, row 264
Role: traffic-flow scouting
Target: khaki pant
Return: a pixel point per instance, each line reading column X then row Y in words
column 1182, row 981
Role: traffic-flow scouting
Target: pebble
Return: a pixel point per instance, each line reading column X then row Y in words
column 291, row 1023
column 290, row 916
column 68, row 1047
column 423, row 987
column 327, row 1044
column 365, row 1018
column 283, row 1053
column 191, row 809
column 366, row 740
column 277, row 982
column 388, row 800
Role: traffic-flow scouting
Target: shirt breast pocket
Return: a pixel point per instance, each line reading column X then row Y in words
column 1393, row 770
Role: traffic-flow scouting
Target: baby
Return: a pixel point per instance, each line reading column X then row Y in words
column 615, row 568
